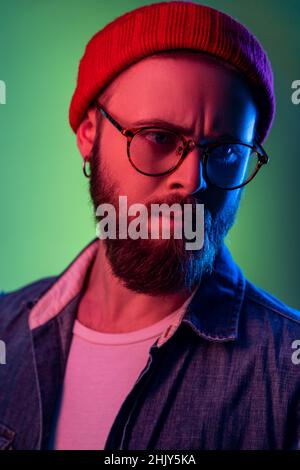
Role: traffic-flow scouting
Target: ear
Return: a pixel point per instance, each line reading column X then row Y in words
column 86, row 133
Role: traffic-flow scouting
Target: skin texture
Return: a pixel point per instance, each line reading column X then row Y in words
column 209, row 99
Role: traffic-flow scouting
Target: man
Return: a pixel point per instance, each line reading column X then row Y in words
column 141, row 343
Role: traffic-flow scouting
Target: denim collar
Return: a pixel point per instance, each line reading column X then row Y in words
column 213, row 312
column 215, row 309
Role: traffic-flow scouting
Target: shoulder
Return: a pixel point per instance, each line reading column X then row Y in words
column 271, row 329
column 264, row 301
column 270, row 320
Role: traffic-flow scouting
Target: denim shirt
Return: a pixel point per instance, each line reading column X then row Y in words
column 223, row 377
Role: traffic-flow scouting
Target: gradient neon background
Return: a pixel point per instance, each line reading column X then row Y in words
column 46, row 217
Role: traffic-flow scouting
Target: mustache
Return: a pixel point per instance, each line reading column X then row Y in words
column 169, row 200
column 175, row 199
column 180, row 200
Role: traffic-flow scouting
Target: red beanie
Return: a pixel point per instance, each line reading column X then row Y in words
column 168, row 26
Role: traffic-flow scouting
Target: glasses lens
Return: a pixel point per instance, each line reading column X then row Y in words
column 229, row 165
column 155, row 150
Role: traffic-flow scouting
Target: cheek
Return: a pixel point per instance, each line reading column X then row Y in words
column 218, row 201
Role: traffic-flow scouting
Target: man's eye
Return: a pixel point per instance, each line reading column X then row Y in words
column 224, row 150
column 226, row 153
column 160, row 137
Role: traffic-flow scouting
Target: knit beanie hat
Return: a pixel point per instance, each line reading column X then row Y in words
column 167, row 26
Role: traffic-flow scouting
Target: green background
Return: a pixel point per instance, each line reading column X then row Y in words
column 46, row 217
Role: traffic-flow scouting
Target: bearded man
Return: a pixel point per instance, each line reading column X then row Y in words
column 141, row 343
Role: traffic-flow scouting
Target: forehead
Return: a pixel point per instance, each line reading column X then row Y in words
column 169, row 70
column 183, row 86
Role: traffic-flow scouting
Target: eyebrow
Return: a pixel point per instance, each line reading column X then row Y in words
column 182, row 129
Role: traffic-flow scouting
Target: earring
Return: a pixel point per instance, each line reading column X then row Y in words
column 85, row 161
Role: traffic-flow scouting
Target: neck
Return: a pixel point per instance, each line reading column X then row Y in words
column 107, row 306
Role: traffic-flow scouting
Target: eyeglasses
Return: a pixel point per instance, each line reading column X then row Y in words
column 158, row 151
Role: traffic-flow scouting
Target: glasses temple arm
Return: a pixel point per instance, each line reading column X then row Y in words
column 110, row 118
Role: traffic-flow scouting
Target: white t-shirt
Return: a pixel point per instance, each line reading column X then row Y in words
column 101, row 370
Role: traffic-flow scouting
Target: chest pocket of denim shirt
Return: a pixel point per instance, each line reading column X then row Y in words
column 7, row 437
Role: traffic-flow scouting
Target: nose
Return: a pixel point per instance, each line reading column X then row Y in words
column 188, row 176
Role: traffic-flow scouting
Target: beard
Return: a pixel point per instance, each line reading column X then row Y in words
column 158, row 266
